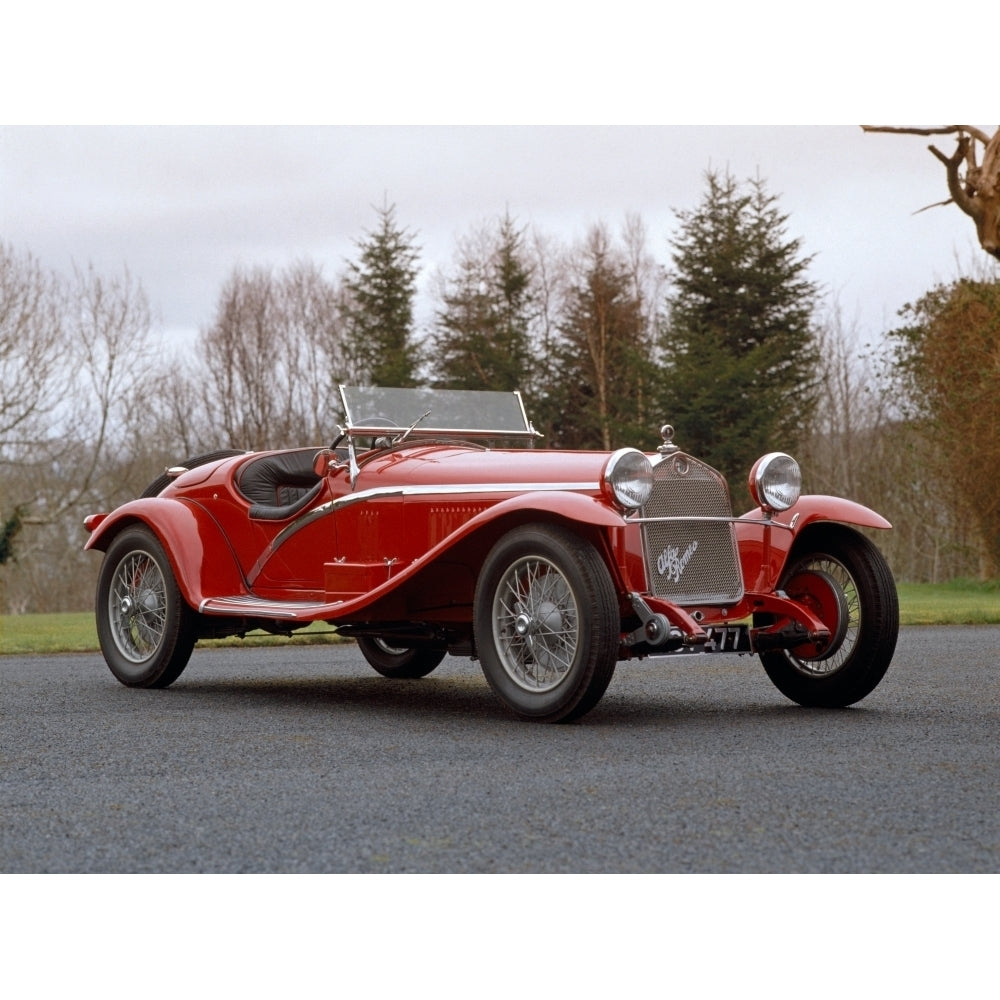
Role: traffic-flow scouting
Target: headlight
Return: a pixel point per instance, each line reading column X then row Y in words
column 775, row 481
column 629, row 477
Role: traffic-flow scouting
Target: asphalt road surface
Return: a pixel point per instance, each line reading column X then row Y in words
column 304, row 760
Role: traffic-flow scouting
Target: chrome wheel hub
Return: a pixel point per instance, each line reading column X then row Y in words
column 137, row 606
column 846, row 632
column 536, row 624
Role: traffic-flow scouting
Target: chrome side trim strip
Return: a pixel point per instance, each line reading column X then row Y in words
column 331, row 506
column 463, row 489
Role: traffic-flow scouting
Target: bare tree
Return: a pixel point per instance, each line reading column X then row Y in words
column 648, row 280
column 32, row 353
column 247, row 362
column 976, row 191
column 549, row 264
column 179, row 428
column 847, row 410
column 85, row 358
column 109, row 328
column 73, row 361
column 311, row 308
column 271, row 360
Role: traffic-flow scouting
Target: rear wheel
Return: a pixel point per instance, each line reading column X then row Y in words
column 399, row 661
column 547, row 623
column 145, row 628
column 844, row 580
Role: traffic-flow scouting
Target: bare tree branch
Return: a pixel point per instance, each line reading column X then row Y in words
column 977, row 192
column 960, row 193
column 942, row 130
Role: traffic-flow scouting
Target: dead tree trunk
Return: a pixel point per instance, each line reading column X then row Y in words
column 977, row 190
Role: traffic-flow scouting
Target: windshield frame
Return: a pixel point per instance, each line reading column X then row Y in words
column 381, row 411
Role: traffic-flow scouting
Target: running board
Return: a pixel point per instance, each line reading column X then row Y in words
column 248, row 606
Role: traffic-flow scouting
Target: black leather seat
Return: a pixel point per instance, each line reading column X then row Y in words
column 278, row 486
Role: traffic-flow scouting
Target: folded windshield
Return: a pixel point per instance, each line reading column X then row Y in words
column 378, row 410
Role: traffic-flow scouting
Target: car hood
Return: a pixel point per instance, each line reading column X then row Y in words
column 430, row 465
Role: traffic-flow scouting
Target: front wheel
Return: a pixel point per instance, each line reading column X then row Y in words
column 401, row 662
column 145, row 628
column 845, row 581
column 547, row 623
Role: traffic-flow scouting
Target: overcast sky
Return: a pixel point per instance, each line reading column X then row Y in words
column 182, row 205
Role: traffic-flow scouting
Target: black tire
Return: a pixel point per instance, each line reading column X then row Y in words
column 399, row 662
column 863, row 643
column 158, row 485
column 145, row 628
column 547, row 623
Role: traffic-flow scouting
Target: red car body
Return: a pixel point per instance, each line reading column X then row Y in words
column 390, row 542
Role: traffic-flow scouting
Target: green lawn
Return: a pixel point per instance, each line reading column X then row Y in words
column 76, row 632
column 961, row 602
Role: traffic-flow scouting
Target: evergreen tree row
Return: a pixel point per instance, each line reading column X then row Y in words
column 605, row 343
column 726, row 341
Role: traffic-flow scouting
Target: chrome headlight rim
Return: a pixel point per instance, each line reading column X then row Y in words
column 776, row 481
column 628, row 478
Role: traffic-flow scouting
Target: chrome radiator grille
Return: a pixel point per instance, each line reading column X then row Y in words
column 690, row 561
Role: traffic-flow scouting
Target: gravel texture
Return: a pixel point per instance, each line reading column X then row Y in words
column 305, row 760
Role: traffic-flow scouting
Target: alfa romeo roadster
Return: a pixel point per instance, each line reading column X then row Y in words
column 432, row 525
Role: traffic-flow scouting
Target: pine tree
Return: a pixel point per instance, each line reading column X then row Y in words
column 8, row 531
column 380, row 339
column 739, row 349
column 482, row 334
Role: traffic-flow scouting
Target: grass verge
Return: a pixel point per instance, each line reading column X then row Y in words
column 77, row 633
column 960, row 602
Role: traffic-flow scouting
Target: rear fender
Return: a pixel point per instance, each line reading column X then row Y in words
column 202, row 560
column 765, row 543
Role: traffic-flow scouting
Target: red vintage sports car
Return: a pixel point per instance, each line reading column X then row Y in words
column 433, row 526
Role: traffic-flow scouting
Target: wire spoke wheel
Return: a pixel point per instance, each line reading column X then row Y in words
column 826, row 587
column 843, row 580
column 137, row 604
column 398, row 660
column 145, row 628
column 547, row 623
column 536, row 624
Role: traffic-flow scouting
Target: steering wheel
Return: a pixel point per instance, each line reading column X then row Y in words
column 383, row 441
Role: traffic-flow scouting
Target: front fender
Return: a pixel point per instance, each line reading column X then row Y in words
column 199, row 553
column 579, row 507
column 765, row 543
column 482, row 530
column 469, row 543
